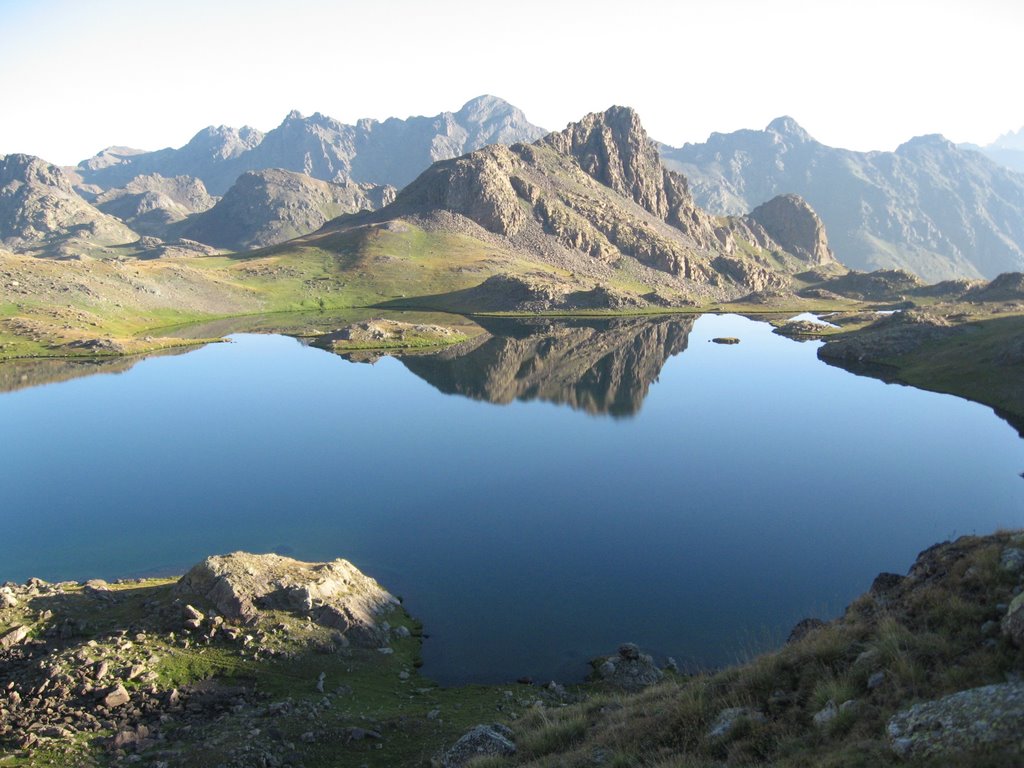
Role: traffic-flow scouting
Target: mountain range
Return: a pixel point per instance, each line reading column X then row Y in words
column 388, row 153
column 940, row 211
column 929, row 207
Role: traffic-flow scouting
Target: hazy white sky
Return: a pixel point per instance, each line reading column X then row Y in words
column 79, row 75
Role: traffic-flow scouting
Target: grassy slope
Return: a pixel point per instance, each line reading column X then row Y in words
column 972, row 365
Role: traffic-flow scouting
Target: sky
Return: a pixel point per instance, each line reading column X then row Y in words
column 77, row 76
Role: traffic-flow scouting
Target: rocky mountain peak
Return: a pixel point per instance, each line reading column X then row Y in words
column 931, row 141
column 788, row 128
column 28, row 169
column 613, row 148
column 794, row 225
column 223, row 142
column 486, row 107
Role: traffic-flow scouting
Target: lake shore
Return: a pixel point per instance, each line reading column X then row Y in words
column 176, row 673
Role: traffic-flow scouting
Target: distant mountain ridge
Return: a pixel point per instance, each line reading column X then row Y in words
column 389, row 152
column 270, row 206
column 1007, row 150
column 939, row 211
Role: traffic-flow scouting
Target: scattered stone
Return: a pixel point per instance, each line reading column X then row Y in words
column 13, row 637
column 116, row 697
column 730, row 719
column 1013, row 621
column 481, row 741
column 401, row 632
column 826, row 714
column 989, row 718
column 1012, row 560
column 192, row 614
column 876, row 680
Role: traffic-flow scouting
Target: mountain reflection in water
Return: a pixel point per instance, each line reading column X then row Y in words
column 597, row 366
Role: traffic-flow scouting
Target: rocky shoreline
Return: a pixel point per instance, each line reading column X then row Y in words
column 263, row 660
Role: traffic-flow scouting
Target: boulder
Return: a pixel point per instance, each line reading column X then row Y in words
column 481, row 741
column 730, row 719
column 334, row 594
column 987, row 718
column 13, row 637
column 116, row 697
column 628, row 669
column 1012, row 560
column 1013, row 621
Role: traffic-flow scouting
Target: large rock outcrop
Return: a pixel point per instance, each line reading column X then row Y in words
column 335, row 594
column 794, row 225
column 987, row 717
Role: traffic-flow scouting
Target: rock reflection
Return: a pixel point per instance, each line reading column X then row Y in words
column 597, row 366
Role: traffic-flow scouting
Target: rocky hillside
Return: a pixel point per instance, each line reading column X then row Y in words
column 591, row 208
column 41, row 212
column 929, row 207
column 150, row 204
column 390, row 152
column 268, row 207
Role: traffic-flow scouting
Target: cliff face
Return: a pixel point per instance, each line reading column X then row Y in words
column 792, row 223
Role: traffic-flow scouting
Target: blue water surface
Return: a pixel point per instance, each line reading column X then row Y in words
column 755, row 486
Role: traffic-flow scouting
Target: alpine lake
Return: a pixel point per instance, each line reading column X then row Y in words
column 537, row 493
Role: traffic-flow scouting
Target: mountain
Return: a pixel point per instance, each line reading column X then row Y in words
column 585, row 217
column 939, row 211
column 150, row 204
column 1007, row 150
column 268, row 207
column 390, row 152
column 40, row 211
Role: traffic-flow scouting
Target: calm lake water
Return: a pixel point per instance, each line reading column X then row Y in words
column 537, row 495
